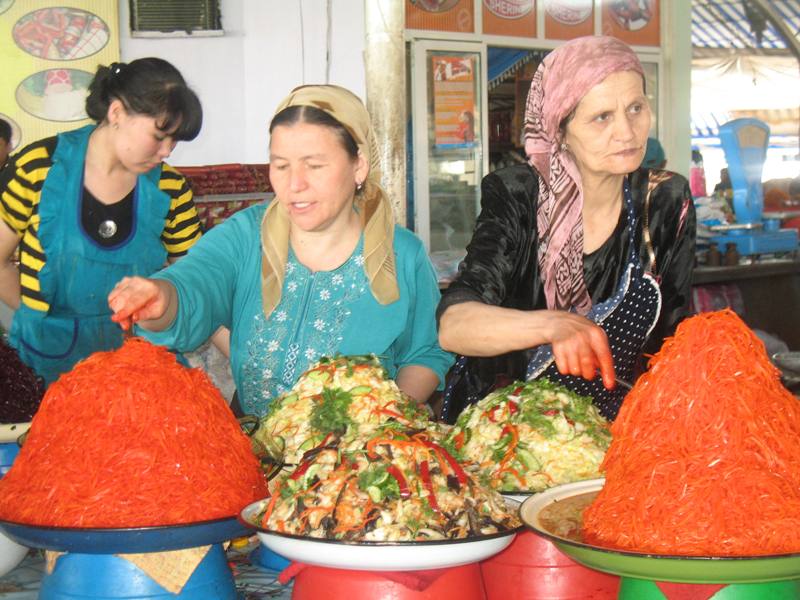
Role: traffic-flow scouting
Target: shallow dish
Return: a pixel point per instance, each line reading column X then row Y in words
column 674, row 568
column 378, row 556
column 124, row 540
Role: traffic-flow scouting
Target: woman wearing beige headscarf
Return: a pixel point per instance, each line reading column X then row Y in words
column 322, row 270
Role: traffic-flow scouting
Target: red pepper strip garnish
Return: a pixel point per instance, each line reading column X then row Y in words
column 516, row 474
column 512, row 444
column 512, row 407
column 490, row 413
column 425, row 473
column 395, row 472
column 391, row 413
column 300, row 471
column 270, row 507
column 441, row 453
column 459, row 440
column 518, row 390
column 550, row 412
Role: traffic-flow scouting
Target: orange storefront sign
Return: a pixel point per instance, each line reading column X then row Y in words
column 568, row 19
column 509, row 17
column 441, row 15
column 635, row 22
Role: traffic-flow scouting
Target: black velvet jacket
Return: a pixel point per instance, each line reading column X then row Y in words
column 501, row 266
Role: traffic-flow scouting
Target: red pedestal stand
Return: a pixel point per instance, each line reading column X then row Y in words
column 457, row 583
column 532, row 568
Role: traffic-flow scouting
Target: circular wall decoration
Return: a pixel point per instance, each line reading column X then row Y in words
column 509, row 9
column 60, row 33
column 567, row 12
column 55, row 94
column 632, row 14
column 434, row 6
column 16, row 132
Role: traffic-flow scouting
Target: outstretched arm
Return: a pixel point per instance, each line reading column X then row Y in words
column 149, row 303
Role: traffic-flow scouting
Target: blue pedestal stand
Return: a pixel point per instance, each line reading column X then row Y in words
column 109, row 577
column 268, row 559
column 90, row 569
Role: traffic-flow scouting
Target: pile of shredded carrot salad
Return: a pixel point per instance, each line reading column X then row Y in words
column 131, row 438
column 705, row 457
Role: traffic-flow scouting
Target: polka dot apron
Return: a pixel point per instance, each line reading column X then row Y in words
column 627, row 317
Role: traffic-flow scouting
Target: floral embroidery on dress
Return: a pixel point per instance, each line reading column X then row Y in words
column 307, row 324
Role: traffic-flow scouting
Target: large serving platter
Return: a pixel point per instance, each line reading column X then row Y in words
column 124, row 540
column 378, row 556
column 672, row 568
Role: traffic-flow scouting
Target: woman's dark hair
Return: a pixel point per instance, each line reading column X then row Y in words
column 147, row 86
column 315, row 116
column 5, row 131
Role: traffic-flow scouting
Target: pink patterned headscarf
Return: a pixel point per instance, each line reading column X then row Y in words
column 563, row 78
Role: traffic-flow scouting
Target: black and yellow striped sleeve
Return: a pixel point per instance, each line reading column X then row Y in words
column 182, row 227
column 19, row 197
column 19, row 209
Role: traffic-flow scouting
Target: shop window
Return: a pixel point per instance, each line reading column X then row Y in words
column 151, row 18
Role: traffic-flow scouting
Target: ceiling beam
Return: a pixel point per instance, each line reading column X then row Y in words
column 771, row 15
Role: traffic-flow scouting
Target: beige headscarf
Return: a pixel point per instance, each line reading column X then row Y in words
column 377, row 218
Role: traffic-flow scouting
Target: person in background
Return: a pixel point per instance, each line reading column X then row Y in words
column 724, row 185
column 5, row 143
column 654, row 157
column 322, row 270
column 794, row 190
column 92, row 205
column 581, row 260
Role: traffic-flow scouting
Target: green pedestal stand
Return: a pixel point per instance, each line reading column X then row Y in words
column 640, row 589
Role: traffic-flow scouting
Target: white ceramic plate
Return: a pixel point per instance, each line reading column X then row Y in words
column 10, row 432
column 377, row 556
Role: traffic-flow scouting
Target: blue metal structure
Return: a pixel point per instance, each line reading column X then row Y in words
column 744, row 142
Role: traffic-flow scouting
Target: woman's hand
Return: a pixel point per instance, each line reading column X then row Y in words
column 580, row 347
column 149, row 302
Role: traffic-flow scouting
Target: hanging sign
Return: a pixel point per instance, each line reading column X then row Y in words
column 567, row 19
column 441, row 15
column 50, row 53
column 454, row 101
column 635, row 22
column 509, row 17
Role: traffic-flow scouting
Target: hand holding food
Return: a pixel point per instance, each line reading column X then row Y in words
column 136, row 299
column 580, row 347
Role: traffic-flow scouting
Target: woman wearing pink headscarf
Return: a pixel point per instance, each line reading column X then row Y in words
column 581, row 261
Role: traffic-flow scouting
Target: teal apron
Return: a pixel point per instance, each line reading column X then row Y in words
column 79, row 273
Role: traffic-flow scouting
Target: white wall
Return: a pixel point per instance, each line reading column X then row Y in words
column 269, row 47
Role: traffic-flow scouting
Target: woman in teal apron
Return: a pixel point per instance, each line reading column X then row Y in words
column 581, row 261
column 92, row 205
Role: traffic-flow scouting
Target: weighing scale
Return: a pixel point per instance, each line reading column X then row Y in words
column 744, row 142
column 745, row 578
column 90, row 569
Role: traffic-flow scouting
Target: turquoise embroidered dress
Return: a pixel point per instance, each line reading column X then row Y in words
column 320, row 313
